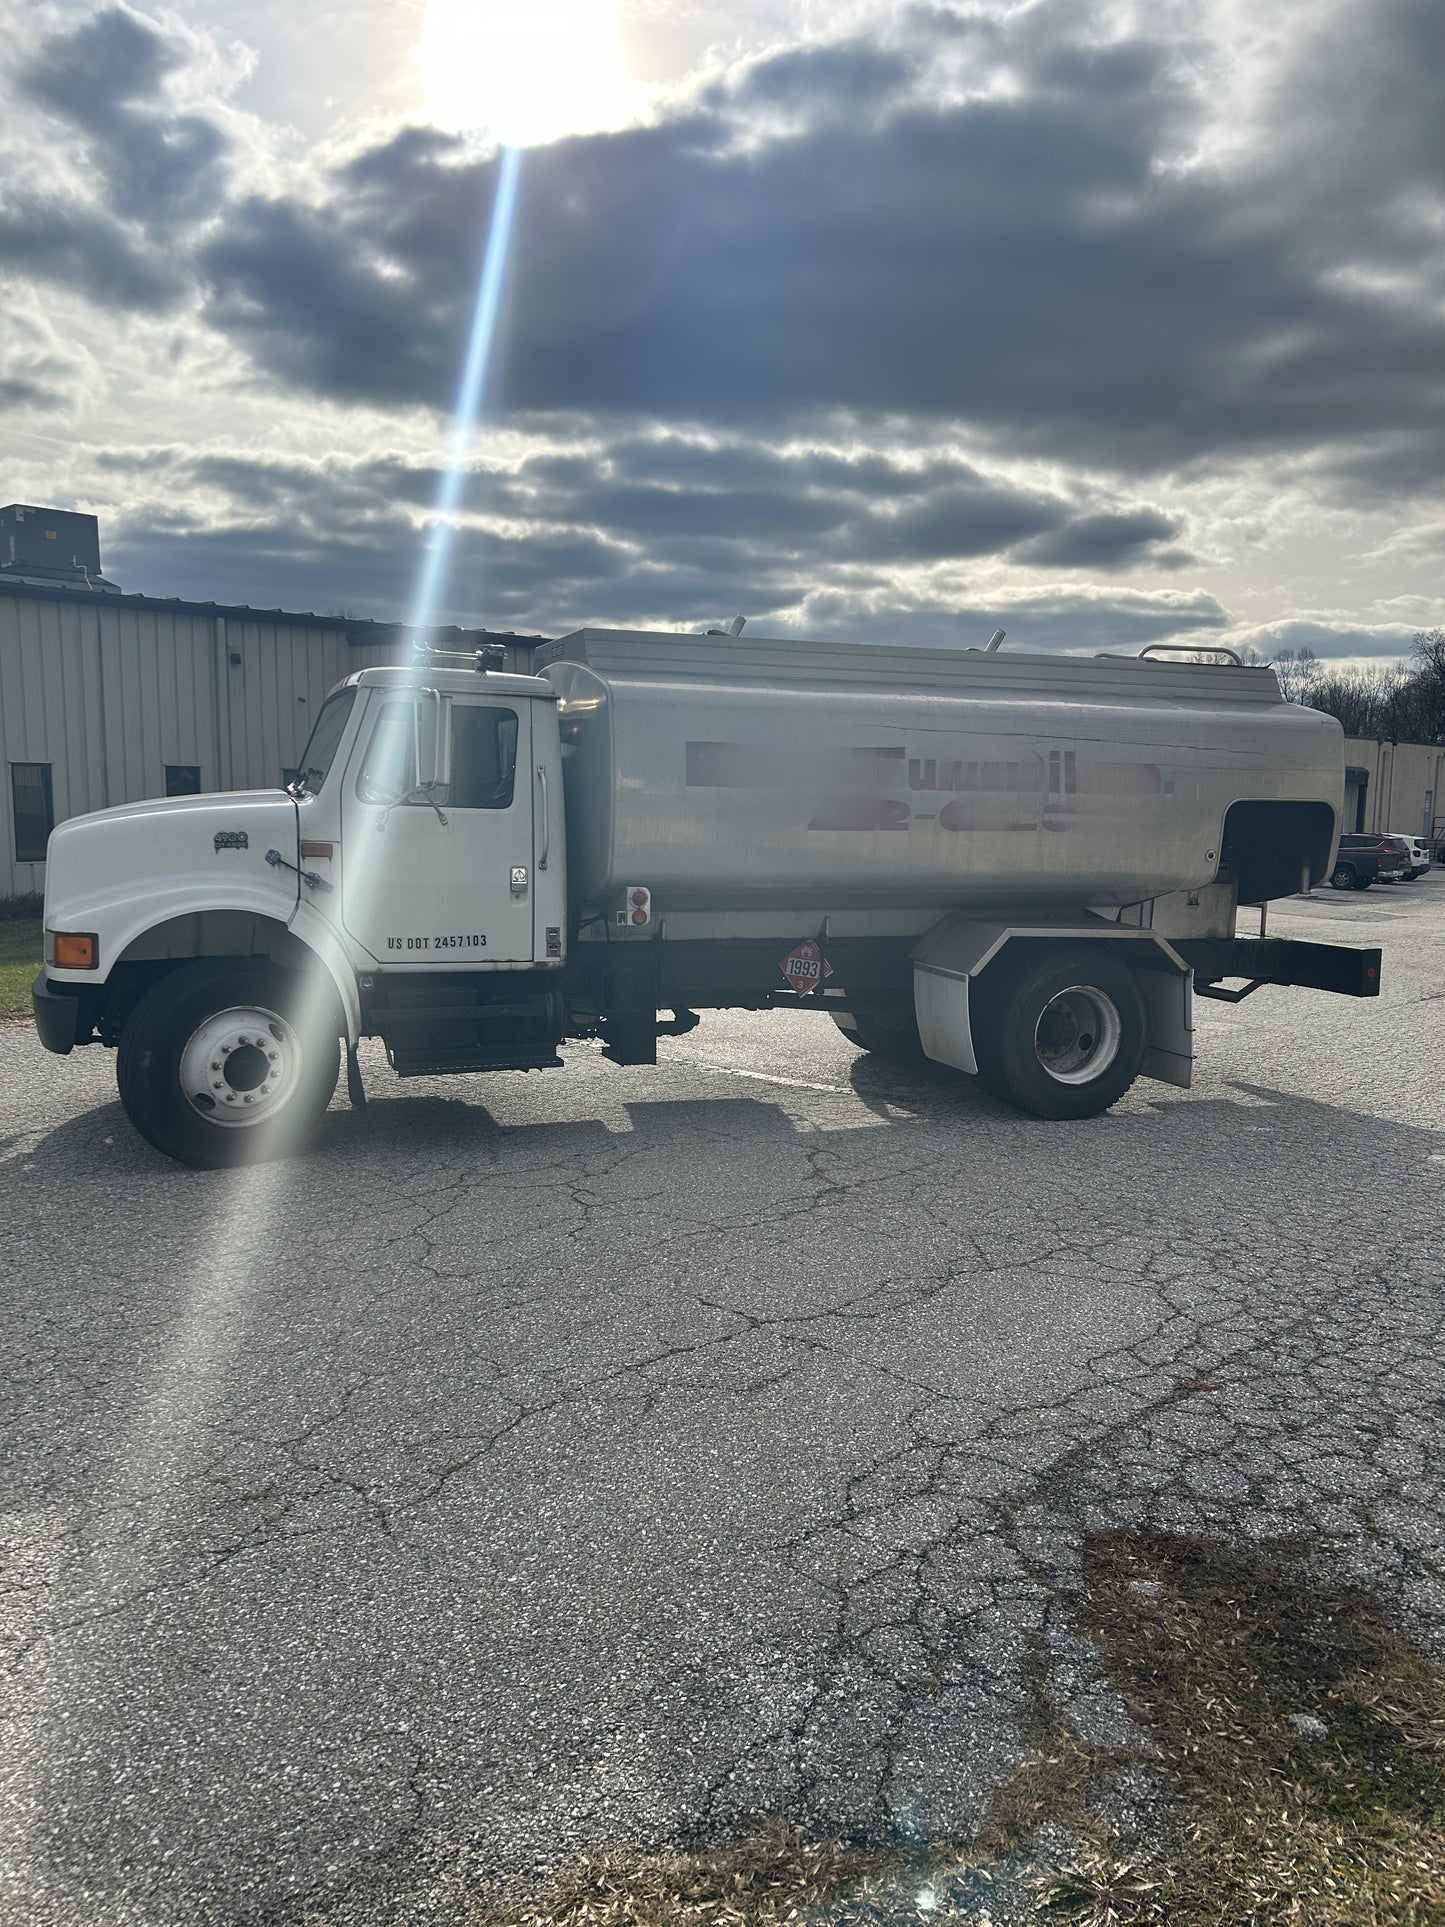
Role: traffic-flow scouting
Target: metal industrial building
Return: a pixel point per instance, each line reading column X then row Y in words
column 106, row 697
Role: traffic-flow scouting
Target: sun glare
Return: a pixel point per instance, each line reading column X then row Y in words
column 524, row 71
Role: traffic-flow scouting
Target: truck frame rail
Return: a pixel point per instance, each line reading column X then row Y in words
column 1347, row 971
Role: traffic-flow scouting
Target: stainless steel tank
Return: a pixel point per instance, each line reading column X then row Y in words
column 731, row 773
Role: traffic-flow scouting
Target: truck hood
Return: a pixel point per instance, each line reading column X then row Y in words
column 120, row 872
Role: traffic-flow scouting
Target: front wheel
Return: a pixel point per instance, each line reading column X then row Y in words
column 229, row 1062
column 1062, row 1036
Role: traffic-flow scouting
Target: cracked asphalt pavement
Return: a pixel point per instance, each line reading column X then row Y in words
column 553, row 1462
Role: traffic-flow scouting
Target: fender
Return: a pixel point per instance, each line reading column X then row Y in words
column 319, row 935
column 950, row 955
column 120, row 941
column 121, row 922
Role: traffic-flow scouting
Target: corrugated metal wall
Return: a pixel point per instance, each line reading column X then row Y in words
column 109, row 691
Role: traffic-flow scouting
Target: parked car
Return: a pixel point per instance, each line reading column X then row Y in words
column 1407, row 860
column 1365, row 857
column 1417, row 848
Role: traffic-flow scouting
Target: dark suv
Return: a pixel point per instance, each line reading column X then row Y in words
column 1365, row 858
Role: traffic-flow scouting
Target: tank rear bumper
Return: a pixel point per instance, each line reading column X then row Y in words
column 1342, row 968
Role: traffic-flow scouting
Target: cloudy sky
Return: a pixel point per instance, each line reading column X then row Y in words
column 1096, row 321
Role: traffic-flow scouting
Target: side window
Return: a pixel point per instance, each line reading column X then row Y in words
column 183, row 779
column 34, row 810
column 484, row 758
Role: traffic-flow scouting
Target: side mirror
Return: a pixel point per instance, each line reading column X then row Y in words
column 432, row 739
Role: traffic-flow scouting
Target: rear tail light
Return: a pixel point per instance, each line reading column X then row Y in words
column 637, row 906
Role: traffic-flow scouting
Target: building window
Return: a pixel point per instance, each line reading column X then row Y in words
column 34, row 810
column 183, row 779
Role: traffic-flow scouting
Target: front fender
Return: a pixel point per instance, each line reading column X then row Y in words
column 320, row 938
column 121, row 873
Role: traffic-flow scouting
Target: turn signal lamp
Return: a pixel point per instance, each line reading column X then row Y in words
column 69, row 951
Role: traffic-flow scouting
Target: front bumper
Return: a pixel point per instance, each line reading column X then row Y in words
column 57, row 1015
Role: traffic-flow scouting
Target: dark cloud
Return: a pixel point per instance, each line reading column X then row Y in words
column 26, row 394
column 367, row 570
column 332, row 535
column 1107, row 541
column 966, row 517
column 1019, row 261
column 768, row 522
column 50, row 239
column 107, row 79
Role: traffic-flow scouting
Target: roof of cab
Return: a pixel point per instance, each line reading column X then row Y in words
column 455, row 682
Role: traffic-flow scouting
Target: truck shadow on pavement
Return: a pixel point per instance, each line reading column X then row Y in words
column 910, row 1102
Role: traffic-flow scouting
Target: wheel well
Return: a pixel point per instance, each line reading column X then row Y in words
column 1268, row 847
column 181, row 940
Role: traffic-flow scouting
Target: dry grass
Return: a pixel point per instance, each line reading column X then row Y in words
column 775, row 1877
column 1348, row 1831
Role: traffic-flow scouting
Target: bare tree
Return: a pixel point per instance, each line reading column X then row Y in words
column 1427, row 702
column 1298, row 671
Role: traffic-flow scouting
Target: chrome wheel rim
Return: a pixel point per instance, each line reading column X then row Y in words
column 240, row 1066
column 1078, row 1034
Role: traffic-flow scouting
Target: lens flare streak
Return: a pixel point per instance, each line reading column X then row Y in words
column 431, row 578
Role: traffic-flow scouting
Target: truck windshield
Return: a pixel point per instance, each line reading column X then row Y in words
column 326, row 733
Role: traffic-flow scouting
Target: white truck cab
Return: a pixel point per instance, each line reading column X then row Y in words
column 429, row 814
column 420, row 845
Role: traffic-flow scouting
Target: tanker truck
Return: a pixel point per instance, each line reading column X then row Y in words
column 1020, row 867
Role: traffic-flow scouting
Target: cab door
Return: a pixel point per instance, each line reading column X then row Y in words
column 437, row 832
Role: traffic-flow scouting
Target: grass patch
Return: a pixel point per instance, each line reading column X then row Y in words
column 20, row 952
column 1213, row 1651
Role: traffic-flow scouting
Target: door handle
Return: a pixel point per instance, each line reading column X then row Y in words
column 546, row 820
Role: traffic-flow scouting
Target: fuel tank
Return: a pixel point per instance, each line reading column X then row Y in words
column 730, row 773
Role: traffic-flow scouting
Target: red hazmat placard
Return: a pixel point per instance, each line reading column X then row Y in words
column 805, row 968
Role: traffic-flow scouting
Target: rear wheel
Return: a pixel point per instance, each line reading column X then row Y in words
column 229, row 1062
column 1063, row 1035
column 1342, row 877
column 891, row 1037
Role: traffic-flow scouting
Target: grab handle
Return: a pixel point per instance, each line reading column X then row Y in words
column 1192, row 649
